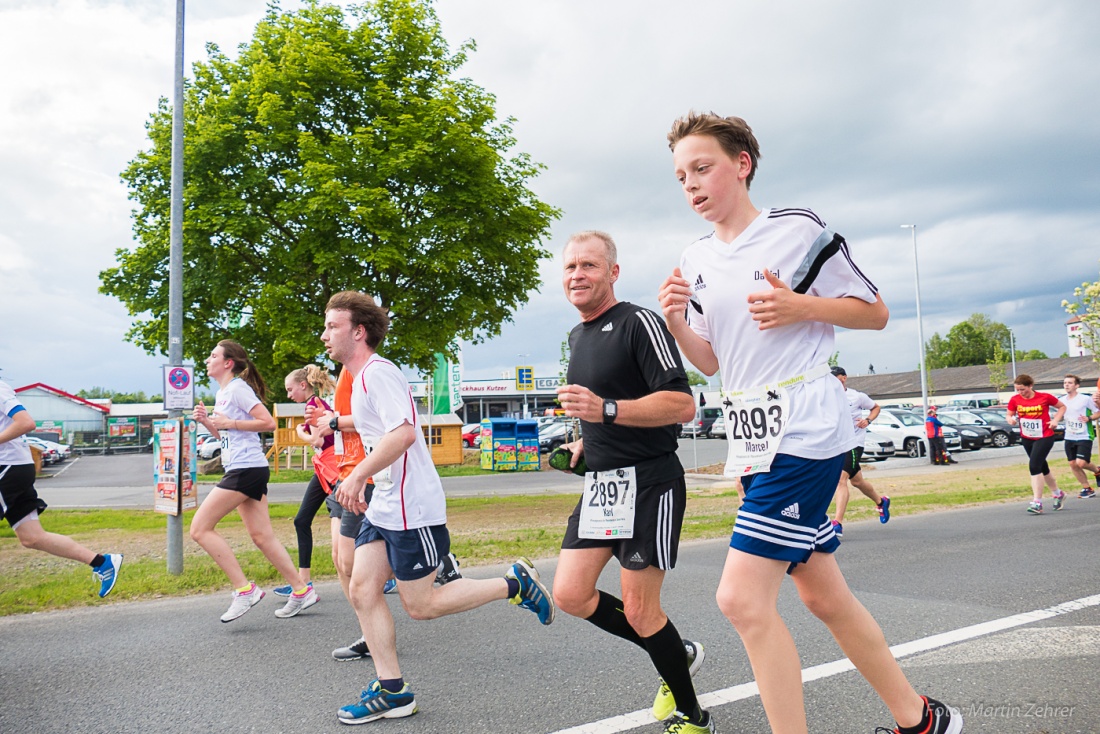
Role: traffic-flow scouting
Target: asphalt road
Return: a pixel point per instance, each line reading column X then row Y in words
column 171, row 666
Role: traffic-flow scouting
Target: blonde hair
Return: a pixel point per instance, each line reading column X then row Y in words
column 316, row 377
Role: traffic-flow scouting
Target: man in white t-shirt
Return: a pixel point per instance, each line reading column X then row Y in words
column 852, row 472
column 20, row 504
column 1080, row 420
column 404, row 532
column 758, row 300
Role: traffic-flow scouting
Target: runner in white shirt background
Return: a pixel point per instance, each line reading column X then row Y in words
column 1080, row 422
column 20, row 504
column 758, row 300
column 238, row 416
column 852, row 472
column 403, row 532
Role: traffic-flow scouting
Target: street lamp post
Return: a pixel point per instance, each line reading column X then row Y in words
column 1012, row 348
column 520, row 358
column 920, row 323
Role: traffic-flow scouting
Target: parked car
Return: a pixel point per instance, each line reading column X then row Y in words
column 701, row 425
column 63, row 450
column 1004, row 433
column 471, row 435
column 907, row 431
column 210, row 448
column 973, row 436
column 554, row 435
column 49, row 456
column 876, row 447
column 718, row 428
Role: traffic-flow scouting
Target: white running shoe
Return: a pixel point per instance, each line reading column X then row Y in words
column 295, row 603
column 242, row 602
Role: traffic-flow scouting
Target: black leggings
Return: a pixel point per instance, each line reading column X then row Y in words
column 303, row 521
column 1037, row 450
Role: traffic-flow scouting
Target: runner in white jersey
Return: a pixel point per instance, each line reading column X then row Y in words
column 863, row 410
column 239, row 414
column 758, row 299
column 20, row 504
column 404, row 531
column 1080, row 421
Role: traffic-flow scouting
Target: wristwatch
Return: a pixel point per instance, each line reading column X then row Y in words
column 334, row 424
column 610, row 411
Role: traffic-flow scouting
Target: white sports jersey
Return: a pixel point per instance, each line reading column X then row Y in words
column 858, row 402
column 15, row 451
column 797, row 247
column 1077, row 410
column 408, row 493
column 244, row 448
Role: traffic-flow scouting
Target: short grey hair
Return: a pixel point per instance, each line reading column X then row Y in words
column 609, row 243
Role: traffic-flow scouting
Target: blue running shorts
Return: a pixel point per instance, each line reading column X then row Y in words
column 785, row 513
column 413, row 554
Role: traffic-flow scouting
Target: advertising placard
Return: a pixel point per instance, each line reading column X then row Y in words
column 122, row 427
column 175, row 465
column 166, row 465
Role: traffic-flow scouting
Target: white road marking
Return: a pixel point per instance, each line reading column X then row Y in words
column 67, row 467
column 636, row 719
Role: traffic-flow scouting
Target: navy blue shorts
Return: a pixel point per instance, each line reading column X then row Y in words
column 785, row 512
column 413, row 554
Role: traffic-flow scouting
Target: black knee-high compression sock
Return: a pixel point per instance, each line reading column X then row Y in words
column 609, row 617
column 666, row 650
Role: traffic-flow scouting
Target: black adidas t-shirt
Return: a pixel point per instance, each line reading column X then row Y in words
column 624, row 354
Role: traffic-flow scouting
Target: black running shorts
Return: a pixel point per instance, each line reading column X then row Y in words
column 851, row 461
column 657, row 521
column 251, row 482
column 18, row 497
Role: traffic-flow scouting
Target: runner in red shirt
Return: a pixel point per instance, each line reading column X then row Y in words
column 1030, row 410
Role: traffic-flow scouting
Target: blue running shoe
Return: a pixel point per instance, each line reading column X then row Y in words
column 532, row 594
column 390, row 587
column 376, row 703
column 884, row 510
column 107, row 573
column 287, row 590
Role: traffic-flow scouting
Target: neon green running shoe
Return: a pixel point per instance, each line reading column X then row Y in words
column 664, row 705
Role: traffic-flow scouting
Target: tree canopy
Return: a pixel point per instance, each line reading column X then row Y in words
column 972, row 342
column 336, row 152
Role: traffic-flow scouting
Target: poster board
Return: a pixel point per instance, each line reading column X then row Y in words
column 175, row 464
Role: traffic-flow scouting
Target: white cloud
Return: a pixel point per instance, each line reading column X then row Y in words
column 975, row 120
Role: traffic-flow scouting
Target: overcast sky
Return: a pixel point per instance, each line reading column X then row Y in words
column 975, row 120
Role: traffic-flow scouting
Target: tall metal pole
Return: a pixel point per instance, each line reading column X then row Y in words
column 920, row 323
column 1012, row 348
column 175, row 269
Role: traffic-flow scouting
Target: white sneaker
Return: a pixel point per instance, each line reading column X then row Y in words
column 295, row 604
column 242, row 602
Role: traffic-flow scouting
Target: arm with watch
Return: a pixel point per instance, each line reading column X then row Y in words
column 661, row 408
column 329, row 422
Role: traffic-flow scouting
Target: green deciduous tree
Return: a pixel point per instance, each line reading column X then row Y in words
column 1087, row 308
column 335, row 152
column 972, row 342
column 696, row 378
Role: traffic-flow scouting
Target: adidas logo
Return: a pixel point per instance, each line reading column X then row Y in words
column 699, row 284
column 791, row 511
column 607, row 327
column 637, row 558
column 418, row 567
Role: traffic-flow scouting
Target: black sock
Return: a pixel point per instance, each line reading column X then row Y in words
column 393, row 685
column 98, row 561
column 513, row 588
column 666, row 650
column 609, row 617
column 925, row 721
